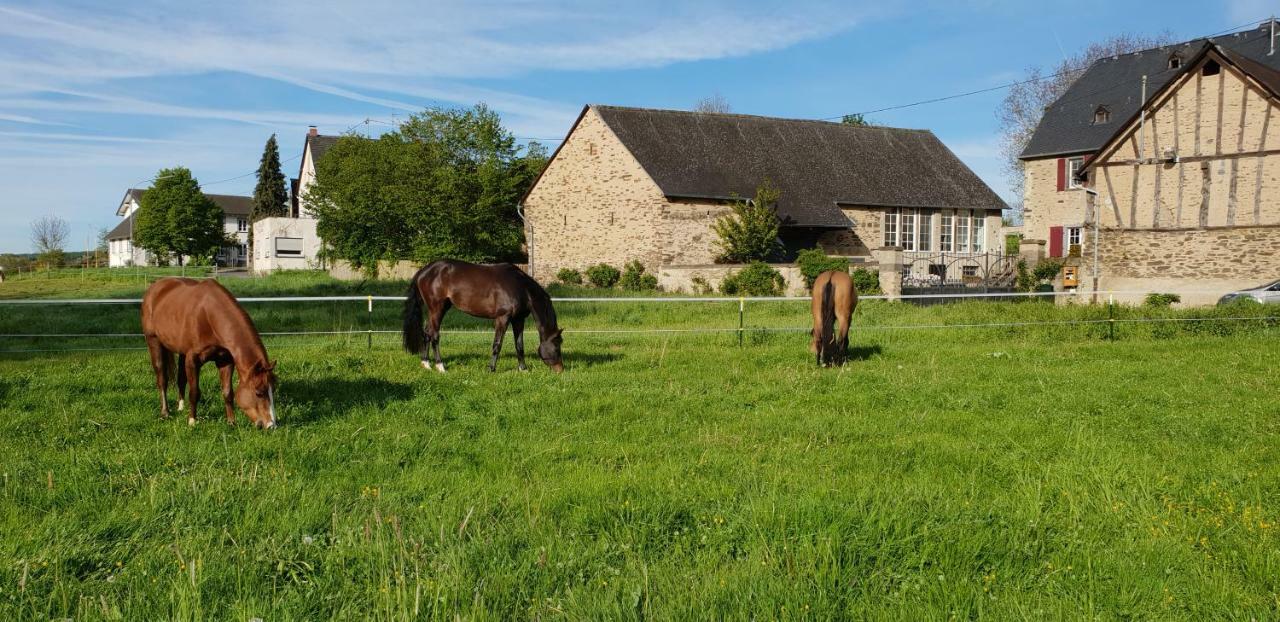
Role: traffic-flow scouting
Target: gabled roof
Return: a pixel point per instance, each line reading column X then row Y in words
column 817, row 165
column 1116, row 82
column 132, row 194
column 1266, row 77
column 318, row 145
column 231, row 204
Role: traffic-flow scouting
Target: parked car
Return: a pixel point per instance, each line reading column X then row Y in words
column 1266, row 294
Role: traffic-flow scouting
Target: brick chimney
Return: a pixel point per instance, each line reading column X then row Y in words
column 311, row 131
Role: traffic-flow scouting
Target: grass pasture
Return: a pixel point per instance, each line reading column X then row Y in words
column 1017, row 472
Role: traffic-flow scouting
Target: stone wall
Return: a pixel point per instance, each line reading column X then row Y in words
column 1043, row 205
column 680, row 278
column 686, row 231
column 1199, row 264
column 395, row 270
column 595, row 203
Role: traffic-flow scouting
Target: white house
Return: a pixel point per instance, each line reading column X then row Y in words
column 235, row 209
column 291, row 243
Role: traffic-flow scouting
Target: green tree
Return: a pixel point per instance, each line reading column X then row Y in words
column 443, row 184
column 270, row 196
column 177, row 221
column 750, row 233
column 856, row 119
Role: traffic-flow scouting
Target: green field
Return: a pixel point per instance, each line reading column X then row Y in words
column 1015, row 472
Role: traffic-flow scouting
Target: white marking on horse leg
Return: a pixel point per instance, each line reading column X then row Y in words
column 426, row 365
column 440, row 367
column 191, row 421
column 271, row 395
column 181, row 404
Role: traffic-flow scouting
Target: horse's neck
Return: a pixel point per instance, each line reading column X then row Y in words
column 247, row 355
column 540, row 302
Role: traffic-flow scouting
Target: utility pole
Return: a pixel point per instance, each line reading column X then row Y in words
column 1092, row 207
column 1142, row 122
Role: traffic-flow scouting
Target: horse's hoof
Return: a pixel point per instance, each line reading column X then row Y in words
column 440, row 367
column 181, row 405
column 191, row 421
column 426, row 365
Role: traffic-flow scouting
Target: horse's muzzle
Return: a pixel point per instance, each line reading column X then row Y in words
column 557, row 367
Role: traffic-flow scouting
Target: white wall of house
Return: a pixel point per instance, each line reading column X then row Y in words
column 285, row 244
column 122, row 253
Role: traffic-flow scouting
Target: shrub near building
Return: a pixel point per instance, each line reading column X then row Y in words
column 757, row 279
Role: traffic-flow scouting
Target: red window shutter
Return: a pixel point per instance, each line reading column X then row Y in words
column 1062, row 174
column 1055, row 241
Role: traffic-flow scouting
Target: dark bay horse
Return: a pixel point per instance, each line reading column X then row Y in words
column 834, row 299
column 501, row 292
column 201, row 322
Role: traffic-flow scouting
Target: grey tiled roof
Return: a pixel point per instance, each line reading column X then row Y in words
column 231, row 204
column 1116, row 82
column 816, row 165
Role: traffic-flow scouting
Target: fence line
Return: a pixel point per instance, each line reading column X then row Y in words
column 370, row 299
column 739, row 331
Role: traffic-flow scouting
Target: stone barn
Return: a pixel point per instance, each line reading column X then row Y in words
column 641, row 184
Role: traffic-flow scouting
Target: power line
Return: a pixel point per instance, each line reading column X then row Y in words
column 1016, row 83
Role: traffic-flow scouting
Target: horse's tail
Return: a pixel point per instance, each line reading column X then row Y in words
column 826, row 353
column 414, row 340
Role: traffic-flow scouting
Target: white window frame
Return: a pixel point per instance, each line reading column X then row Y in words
column 907, row 231
column 947, row 233
column 1067, row 231
column 891, row 227
column 978, row 228
column 924, row 228
column 1073, row 166
column 962, row 233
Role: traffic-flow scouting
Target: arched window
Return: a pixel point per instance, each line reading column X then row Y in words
column 1101, row 115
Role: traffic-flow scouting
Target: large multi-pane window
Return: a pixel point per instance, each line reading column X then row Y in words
column 962, row 231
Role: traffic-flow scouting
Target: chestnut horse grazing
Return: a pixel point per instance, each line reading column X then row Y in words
column 201, row 322
column 501, row 292
column 834, row 299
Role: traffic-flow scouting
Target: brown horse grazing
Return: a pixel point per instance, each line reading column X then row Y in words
column 834, row 299
column 201, row 322
column 501, row 292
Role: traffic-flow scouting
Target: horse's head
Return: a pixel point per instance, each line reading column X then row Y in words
column 549, row 350
column 256, row 394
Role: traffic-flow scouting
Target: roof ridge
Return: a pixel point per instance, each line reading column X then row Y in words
column 1211, row 39
column 760, row 117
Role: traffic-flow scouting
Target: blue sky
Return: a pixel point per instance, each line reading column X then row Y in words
column 97, row 96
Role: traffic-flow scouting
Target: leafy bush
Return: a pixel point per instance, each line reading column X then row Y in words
column 701, row 286
column 866, row 282
column 1046, row 270
column 569, row 276
column 635, row 279
column 812, row 262
column 1026, row 280
column 757, row 279
column 603, row 275
column 1012, row 243
column 750, row 233
column 1161, row 300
